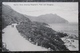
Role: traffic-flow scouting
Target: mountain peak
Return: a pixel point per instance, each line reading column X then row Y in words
column 50, row 14
column 49, row 18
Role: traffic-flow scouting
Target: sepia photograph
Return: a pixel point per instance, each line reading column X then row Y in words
column 40, row 26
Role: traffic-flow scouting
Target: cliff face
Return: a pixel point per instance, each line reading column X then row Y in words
column 48, row 18
column 35, row 32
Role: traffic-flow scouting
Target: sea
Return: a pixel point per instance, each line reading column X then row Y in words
column 69, row 28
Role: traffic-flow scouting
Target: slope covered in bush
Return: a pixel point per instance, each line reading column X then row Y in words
column 41, row 35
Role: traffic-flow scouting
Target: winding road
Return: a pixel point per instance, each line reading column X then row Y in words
column 15, row 42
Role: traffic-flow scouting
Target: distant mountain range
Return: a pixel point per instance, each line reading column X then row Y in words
column 48, row 18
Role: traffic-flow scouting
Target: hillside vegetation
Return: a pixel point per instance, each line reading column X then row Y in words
column 42, row 36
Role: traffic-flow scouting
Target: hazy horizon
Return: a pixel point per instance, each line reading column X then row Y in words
column 66, row 10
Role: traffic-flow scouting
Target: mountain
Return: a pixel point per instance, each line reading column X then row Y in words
column 48, row 18
column 10, row 16
column 35, row 32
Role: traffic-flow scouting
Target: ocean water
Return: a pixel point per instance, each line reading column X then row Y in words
column 70, row 28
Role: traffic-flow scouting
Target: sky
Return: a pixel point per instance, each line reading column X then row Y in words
column 66, row 10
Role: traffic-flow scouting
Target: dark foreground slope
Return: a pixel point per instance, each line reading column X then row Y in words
column 35, row 32
column 42, row 36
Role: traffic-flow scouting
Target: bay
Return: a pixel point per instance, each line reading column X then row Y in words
column 69, row 28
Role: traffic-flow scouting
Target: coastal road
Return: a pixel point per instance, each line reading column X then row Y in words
column 15, row 42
